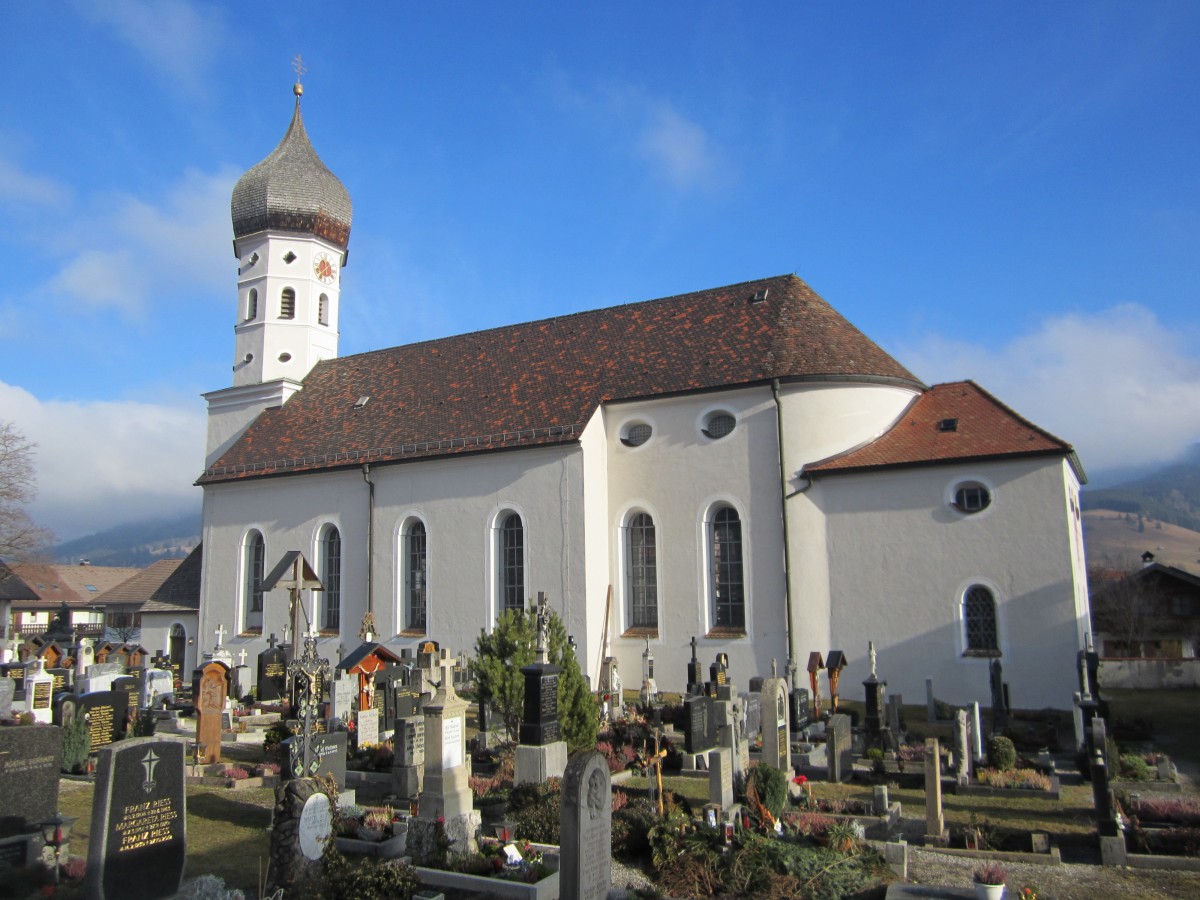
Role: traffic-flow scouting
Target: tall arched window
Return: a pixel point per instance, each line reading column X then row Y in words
column 331, row 578
column 726, row 570
column 416, row 572
column 323, row 310
column 641, row 572
column 979, row 621
column 287, row 304
column 253, row 565
column 252, row 305
column 511, row 558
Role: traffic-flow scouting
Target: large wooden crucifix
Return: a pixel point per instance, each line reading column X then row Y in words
column 302, row 577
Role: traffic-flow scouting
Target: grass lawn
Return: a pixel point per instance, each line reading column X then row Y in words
column 228, row 832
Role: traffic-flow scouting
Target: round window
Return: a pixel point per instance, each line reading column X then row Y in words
column 972, row 497
column 285, row 357
column 637, row 434
column 719, row 424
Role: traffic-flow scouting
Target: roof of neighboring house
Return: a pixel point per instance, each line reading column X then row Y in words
column 538, row 383
column 12, row 586
column 75, row 585
column 952, row 422
column 168, row 585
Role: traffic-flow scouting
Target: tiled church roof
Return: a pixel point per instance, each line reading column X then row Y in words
column 292, row 190
column 538, row 383
column 947, row 423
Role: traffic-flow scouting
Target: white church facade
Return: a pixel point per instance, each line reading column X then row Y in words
column 737, row 464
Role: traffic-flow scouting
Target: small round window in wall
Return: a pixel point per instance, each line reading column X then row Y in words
column 972, row 497
column 636, row 434
column 719, row 424
column 285, row 357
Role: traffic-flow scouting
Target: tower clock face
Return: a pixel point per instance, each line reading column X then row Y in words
column 325, row 268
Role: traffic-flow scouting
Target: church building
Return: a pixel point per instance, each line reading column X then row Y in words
column 738, row 464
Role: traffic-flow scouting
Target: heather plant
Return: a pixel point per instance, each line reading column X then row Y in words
column 1026, row 779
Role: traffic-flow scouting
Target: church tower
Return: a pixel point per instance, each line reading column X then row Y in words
column 291, row 228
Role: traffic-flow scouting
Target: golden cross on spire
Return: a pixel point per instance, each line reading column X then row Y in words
column 298, row 66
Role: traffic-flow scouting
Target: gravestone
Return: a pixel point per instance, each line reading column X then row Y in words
column 541, row 752
column 65, row 706
column 720, row 777
column 139, row 821
column 446, row 791
column 962, row 748
column 695, row 674
column 585, row 829
column 30, row 760
column 839, row 747
column 106, row 713
column 210, row 705
column 1102, row 796
column 976, row 732
column 301, row 824
column 7, row 689
column 935, row 822
column 62, row 679
column 272, row 673
column 39, row 692
column 752, row 715
column 368, row 727
column 895, row 715
column 131, row 686
column 697, row 732
column 327, row 756
column 930, row 702
column 408, row 761
column 799, row 713
column 874, row 692
column 343, row 697
column 776, row 736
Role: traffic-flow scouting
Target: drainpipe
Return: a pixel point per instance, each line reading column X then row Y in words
column 787, row 545
column 366, row 470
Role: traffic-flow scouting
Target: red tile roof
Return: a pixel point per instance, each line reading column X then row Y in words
column 76, row 585
column 538, row 383
column 165, row 585
column 977, row 426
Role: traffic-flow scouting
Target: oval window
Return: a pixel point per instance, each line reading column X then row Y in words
column 972, row 497
column 719, row 424
column 637, row 434
column 285, row 357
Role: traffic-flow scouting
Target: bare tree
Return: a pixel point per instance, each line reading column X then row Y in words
column 20, row 538
column 1131, row 610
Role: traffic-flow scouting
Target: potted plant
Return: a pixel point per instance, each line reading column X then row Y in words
column 989, row 881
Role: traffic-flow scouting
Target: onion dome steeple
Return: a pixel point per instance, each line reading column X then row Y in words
column 292, row 190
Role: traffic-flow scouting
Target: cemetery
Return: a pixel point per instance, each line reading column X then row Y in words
column 499, row 774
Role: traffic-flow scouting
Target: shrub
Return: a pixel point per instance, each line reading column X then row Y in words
column 1133, row 767
column 1167, row 809
column 534, row 811
column 77, row 741
column 631, row 826
column 346, row 879
column 771, row 785
column 1025, row 779
column 990, row 873
column 1001, row 752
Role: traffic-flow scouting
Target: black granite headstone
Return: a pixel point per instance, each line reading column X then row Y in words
column 139, row 821
column 30, row 760
column 272, row 674
column 801, row 711
column 62, row 679
column 130, row 685
column 106, row 713
column 329, row 756
column 539, row 721
column 696, row 737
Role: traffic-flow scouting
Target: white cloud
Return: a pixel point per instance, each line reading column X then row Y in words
column 26, row 189
column 132, row 249
column 678, row 147
column 1118, row 384
column 105, row 463
column 176, row 37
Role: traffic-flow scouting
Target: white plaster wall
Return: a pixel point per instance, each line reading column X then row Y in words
column 677, row 476
column 587, row 624
column 156, row 636
column 901, row 559
column 231, row 410
column 457, row 499
column 267, row 336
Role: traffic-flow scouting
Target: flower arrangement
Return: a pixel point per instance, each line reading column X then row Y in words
column 990, row 873
column 1028, row 893
column 1027, row 779
column 237, row 773
column 514, row 861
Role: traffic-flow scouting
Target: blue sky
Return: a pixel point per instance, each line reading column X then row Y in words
column 1008, row 192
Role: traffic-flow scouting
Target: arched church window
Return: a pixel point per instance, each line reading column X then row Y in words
column 253, row 566
column 252, row 305
column 979, row 621
column 641, row 571
column 416, row 576
column 725, row 555
column 511, row 557
column 323, row 310
column 331, row 578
